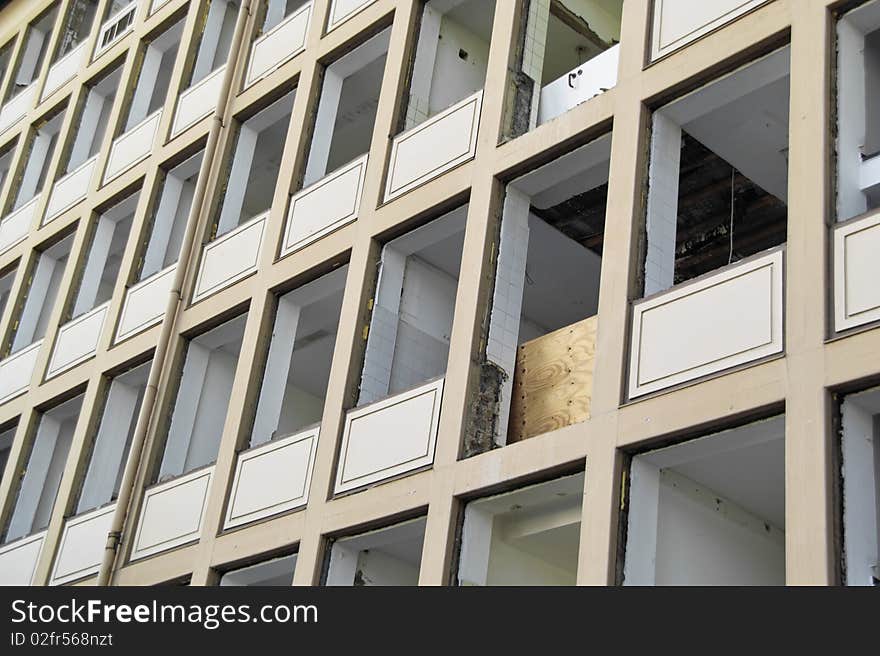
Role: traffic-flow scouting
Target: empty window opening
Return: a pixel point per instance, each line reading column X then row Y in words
column 298, row 362
column 413, row 309
column 6, row 437
column 388, row 556
column 41, row 476
column 272, row 12
column 77, row 26
column 93, row 116
column 452, row 56
column 6, row 57
column 203, row 393
column 153, row 77
column 274, row 572
column 37, row 157
column 545, row 301
column 718, row 179
column 253, row 169
column 858, row 101
column 347, row 108
column 526, row 537
column 710, row 511
column 118, row 19
column 33, row 52
column 41, row 291
column 108, row 239
column 6, row 281
column 568, row 54
column 6, row 157
column 113, row 440
column 214, row 39
column 860, row 450
column 170, row 215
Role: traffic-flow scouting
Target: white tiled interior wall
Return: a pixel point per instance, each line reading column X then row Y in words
column 507, row 298
column 408, row 342
column 662, row 204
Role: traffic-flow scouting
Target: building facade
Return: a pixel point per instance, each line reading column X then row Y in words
column 468, row 292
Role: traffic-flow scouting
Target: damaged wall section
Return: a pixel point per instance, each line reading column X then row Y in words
column 541, row 336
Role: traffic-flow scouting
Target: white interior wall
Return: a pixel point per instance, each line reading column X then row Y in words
column 526, row 537
column 361, row 71
column 309, row 313
column 705, row 539
column 427, row 305
column 454, row 78
column 6, row 281
column 709, row 511
column 154, row 76
column 171, row 216
column 860, row 448
column 202, row 399
column 389, row 556
column 42, row 293
column 441, row 77
column 34, row 50
column 407, row 343
column 40, row 157
column 858, row 86
column 255, row 164
column 105, row 255
column 93, row 120
column 45, row 465
column 113, row 439
column 216, row 38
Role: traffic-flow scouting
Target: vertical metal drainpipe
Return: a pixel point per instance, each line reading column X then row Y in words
column 188, row 250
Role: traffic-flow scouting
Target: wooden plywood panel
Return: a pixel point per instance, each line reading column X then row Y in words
column 553, row 381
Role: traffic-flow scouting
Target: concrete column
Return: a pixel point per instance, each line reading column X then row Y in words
column 598, row 539
column 810, row 543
